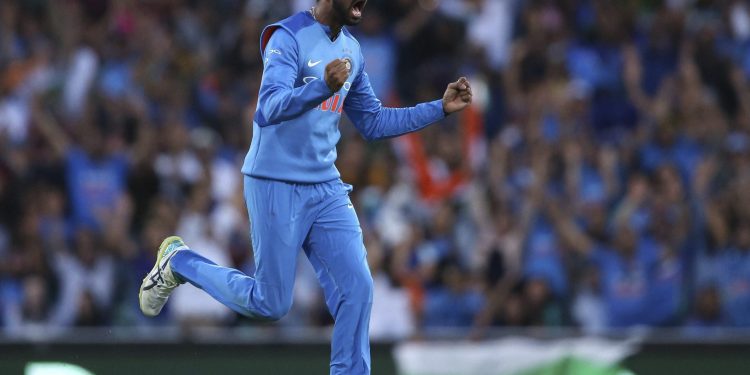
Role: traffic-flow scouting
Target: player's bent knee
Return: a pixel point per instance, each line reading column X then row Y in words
column 274, row 312
column 271, row 308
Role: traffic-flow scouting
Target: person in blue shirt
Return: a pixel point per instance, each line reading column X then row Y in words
column 313, row 71
column 453, row 302
column 733, row 282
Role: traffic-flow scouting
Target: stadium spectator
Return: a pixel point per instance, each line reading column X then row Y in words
column 604, row 167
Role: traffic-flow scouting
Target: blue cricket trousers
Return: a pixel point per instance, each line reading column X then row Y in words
column 284, row 218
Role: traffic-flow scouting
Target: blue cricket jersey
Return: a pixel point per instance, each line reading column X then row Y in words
column 295, row 127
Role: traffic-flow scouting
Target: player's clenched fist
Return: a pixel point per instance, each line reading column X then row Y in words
column 337, row 71
column 457, row 96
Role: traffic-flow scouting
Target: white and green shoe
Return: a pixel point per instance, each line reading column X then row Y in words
column 160, row 282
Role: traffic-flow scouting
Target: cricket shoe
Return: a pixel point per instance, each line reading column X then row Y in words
column 161, row 281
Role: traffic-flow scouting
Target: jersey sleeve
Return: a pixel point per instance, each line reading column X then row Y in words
column 376, row 122
column 278, row 99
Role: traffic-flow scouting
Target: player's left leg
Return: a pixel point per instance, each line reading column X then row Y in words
column 336, row 251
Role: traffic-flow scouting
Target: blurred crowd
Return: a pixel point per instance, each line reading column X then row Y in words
column 600, row 180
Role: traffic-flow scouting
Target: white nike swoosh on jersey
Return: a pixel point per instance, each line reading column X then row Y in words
column 310, row 63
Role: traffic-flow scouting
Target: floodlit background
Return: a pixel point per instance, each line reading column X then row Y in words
column 599, row 185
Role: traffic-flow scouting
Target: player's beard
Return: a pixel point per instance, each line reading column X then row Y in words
column 343, row 11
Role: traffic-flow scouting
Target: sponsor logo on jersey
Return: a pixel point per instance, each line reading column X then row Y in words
column 333, row 104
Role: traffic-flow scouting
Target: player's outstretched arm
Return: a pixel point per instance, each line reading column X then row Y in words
column 278, row 99
column 376, row 122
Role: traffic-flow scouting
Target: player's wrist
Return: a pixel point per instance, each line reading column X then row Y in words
column 446, row 112
column 331, row 88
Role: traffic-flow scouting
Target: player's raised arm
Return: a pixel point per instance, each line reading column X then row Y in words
column 376, row 122
column 279, row 100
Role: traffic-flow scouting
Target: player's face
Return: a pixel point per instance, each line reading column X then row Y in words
column 349, row 11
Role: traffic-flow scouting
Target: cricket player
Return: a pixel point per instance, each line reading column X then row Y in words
column 313, row 70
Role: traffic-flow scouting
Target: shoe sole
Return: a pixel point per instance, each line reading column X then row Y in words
column 159, row 255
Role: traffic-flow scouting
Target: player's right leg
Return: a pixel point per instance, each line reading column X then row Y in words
column 278, row 230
